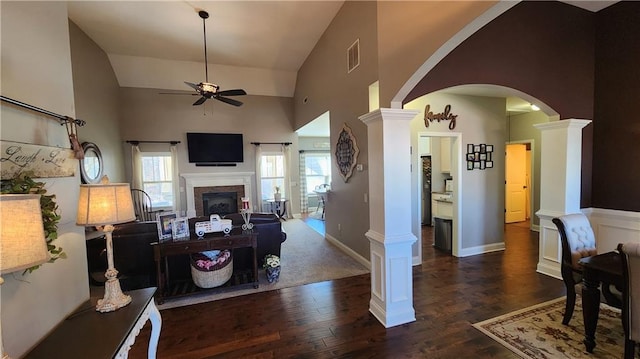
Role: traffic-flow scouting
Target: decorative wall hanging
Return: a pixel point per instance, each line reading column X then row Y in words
column 443, row 116
column 479, row 156
column 91, row 166
column 40, row 161
column 346, row 152
column 71, row 123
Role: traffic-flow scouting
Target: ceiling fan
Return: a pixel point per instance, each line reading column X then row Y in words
column 207, row 90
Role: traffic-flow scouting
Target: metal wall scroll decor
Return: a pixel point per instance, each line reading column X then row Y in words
column 479, row 157
column 346, row 152
column 442, row 116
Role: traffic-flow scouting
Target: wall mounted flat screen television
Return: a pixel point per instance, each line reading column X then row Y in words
column 213, row 148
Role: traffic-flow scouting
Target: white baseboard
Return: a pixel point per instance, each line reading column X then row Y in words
column 487, row 248
column 348, row 251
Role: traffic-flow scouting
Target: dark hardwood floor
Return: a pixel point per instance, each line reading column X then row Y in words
column 331, row 319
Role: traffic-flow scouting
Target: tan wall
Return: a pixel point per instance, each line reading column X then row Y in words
column 147, row 115
column 323, row 79
column 96, row 93
column 36, row 69
column 409, row 32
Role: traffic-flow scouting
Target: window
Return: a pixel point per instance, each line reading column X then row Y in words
column 157, row 179
column 317, row 170
column 272, row 174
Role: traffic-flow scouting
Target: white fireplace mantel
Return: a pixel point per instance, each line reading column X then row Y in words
column 193, row 180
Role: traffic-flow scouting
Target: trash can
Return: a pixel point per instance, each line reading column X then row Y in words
column 443, row 234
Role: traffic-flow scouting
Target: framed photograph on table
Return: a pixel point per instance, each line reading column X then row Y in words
column 180, row 229
column 163, row 221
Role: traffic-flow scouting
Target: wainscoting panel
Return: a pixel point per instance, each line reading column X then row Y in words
column 612, row 227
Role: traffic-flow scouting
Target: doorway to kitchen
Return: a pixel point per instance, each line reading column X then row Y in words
column 438, row 161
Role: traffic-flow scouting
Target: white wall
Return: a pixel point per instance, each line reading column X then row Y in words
column 480, row 120
column 36, row 69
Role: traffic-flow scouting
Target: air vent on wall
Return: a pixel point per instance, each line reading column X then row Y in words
column 353, row 56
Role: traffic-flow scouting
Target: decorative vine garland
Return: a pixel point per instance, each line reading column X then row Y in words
column 24, row 184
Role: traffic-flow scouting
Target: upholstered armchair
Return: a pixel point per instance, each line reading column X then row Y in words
column 630, row 253
column 578, row 241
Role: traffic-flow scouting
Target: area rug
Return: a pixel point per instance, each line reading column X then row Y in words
column 306, row 257
column 538, row 332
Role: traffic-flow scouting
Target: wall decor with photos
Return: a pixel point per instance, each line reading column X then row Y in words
column 479, row 157
column 346, row 152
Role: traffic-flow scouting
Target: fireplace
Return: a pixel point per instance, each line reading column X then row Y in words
column 199, row 184
column 221, row 203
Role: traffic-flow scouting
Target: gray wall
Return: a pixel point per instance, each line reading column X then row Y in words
column 96, row 93
column 520, row 127
column 480, row 120
column 147, row 115
column 36, row 69
column 324, row 81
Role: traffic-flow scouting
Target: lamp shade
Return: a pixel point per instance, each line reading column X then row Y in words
column 105, row 203
column 22, row 242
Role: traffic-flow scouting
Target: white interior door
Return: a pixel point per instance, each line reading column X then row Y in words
column 516, row 183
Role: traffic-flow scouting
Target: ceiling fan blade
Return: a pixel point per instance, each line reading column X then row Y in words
column 178, row 93
column 236, row 92
column 193, row 86
column 200, row 101
column 229, row 101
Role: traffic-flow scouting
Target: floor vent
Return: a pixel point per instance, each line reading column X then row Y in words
column 353, row 56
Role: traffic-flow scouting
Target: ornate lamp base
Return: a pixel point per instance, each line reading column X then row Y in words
column 113, row 296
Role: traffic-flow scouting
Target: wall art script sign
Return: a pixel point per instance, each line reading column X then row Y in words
column 42, row 161
column 443, row 116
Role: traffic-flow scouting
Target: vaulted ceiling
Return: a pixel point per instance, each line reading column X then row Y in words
column 246, row 40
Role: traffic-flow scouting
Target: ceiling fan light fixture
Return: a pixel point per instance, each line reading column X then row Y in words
column 208, row 87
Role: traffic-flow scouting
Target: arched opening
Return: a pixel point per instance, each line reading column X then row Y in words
column 487, row 119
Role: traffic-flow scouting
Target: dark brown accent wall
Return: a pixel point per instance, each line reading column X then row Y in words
column 616, row 139
column 545, row 49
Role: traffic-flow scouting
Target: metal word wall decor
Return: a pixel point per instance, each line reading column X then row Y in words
column 442, row 116
column 479, row 157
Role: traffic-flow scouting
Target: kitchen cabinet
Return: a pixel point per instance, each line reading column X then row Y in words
column 445, row 154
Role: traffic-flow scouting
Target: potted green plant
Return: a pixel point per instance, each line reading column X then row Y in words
column 24, row 184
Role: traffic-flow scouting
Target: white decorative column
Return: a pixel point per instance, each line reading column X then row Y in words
column 561, row 163
column 390, row 234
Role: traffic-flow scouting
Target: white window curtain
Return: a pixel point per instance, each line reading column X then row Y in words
column 286, row 152
column 258, row 178
column 177, row 203
column 136, row 167
column 304, row 198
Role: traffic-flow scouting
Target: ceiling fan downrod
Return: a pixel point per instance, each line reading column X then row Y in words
column 205, row 15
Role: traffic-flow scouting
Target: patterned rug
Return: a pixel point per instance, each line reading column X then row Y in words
column 538, row 332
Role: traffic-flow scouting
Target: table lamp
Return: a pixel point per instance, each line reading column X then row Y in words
column 103, row 205
column 22, row 242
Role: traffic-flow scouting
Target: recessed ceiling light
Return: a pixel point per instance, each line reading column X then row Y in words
column 535, row 108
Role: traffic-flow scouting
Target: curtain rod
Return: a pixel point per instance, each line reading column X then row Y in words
column 63, row 119
column 271, row 143
column 136, row 142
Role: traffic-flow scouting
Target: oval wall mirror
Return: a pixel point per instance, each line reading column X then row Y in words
column 91, row 167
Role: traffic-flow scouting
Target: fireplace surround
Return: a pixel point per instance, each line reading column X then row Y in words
column 199, row 183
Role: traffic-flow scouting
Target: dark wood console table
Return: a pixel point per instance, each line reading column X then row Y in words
column 217, row 240
column 87, row 333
